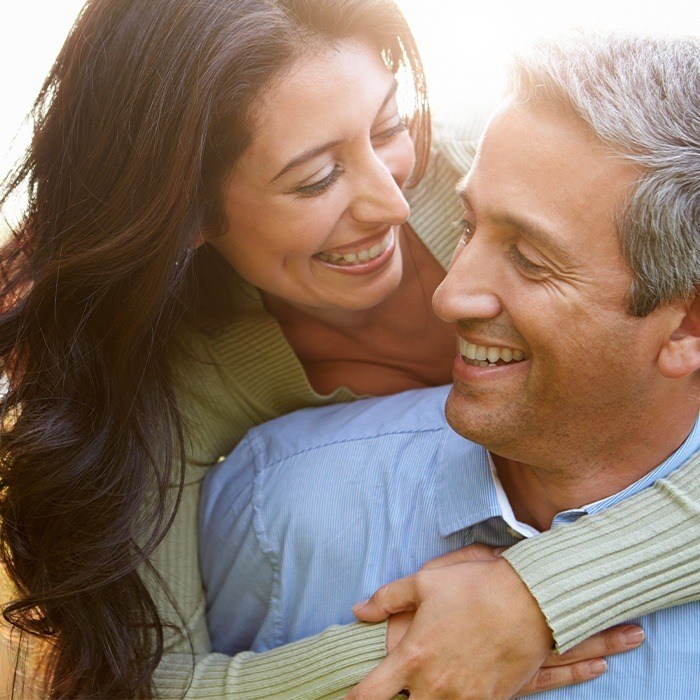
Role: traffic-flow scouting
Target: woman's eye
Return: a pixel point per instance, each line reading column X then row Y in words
column 320, row 186
column 524, row 263
column 390, row 133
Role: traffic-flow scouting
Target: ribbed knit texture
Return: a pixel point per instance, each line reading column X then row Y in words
column 586, row 580
column 320, row 667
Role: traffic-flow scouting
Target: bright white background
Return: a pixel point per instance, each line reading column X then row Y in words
column 463, row 43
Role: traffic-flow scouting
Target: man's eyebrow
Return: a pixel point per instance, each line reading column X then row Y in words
column 316, row 150
column 529, row 228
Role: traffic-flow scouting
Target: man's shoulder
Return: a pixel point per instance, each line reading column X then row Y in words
column 373, row 419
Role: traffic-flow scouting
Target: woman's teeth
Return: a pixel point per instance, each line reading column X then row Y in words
column 483, row 356
column 359, row 257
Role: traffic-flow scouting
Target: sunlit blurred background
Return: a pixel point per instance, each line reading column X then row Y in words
column 464, row 44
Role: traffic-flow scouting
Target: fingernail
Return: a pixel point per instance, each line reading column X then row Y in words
column 597, row 667
column 498, row 551
column 633, row 636
column 360, row 605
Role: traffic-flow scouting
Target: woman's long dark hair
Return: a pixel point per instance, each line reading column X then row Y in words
column 145, row 111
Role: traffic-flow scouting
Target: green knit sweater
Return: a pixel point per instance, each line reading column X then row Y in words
column 236, row 374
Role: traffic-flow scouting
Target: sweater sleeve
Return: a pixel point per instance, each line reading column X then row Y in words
column 317, row 668
column 638, row 557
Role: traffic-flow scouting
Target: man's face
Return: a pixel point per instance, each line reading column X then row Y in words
column 538, row 292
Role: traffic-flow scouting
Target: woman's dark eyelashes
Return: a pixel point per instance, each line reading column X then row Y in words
column 321, row 185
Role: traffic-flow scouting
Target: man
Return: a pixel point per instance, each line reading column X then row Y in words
column 576, row 384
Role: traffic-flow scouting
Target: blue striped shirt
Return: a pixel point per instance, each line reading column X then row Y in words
column 314, row 511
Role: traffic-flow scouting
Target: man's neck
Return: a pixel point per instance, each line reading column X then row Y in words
column 537, row 494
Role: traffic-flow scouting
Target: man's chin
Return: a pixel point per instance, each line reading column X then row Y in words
column 489, row 426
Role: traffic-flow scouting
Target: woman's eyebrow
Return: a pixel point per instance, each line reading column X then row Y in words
column 314, row 151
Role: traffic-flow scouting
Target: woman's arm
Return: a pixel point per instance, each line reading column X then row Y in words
column 320, row 667
column 640, row 556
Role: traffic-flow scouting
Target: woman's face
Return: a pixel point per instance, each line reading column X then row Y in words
column 314, row 205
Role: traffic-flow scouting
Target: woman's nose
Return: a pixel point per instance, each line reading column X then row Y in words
column 379, row 197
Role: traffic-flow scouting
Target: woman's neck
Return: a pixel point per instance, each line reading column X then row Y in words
column 396, row 345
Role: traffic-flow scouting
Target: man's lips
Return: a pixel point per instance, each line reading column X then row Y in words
column 489, row 355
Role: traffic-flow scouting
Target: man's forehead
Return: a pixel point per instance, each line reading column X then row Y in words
column 544, row 172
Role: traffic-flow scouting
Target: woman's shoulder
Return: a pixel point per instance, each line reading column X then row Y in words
column 434, row 205
column 457, row 130
column 218, row 389
column 234, row 374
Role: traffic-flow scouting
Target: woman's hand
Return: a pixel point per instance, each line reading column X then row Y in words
column 477, row 632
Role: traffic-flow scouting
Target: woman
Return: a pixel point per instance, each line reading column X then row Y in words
column 136, row 356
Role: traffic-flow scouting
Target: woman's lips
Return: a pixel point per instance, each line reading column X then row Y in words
column 369, row 258
column 360, row 252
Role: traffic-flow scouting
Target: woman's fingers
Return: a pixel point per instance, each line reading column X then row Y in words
column 398, row 596
column 559, row 676
column 443, row 654
column 583, row 662
column 403, row 595
column 382, row 683
column 612, row 641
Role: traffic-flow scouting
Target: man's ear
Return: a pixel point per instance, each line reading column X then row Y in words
column 199, row 241
column 680, row 354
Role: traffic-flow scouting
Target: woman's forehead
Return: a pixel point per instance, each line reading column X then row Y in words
column 338, row 88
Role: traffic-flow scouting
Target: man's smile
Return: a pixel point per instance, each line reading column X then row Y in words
column 488, row 356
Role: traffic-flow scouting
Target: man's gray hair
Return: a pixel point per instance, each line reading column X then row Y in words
column 641, row 96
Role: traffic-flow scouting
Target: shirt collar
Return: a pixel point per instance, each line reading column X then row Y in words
column 467, row 492
column 464, row 488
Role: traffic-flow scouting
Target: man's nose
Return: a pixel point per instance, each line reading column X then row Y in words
column 379, row 199
column 471, row 288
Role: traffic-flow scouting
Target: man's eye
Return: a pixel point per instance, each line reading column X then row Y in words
column 524, row 263
column 466, row 230
column 320, row 186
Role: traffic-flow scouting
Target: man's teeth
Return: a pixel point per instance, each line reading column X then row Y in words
column 360, row 256
column 487, row 356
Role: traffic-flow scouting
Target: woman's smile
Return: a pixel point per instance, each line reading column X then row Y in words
column 363, row 257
